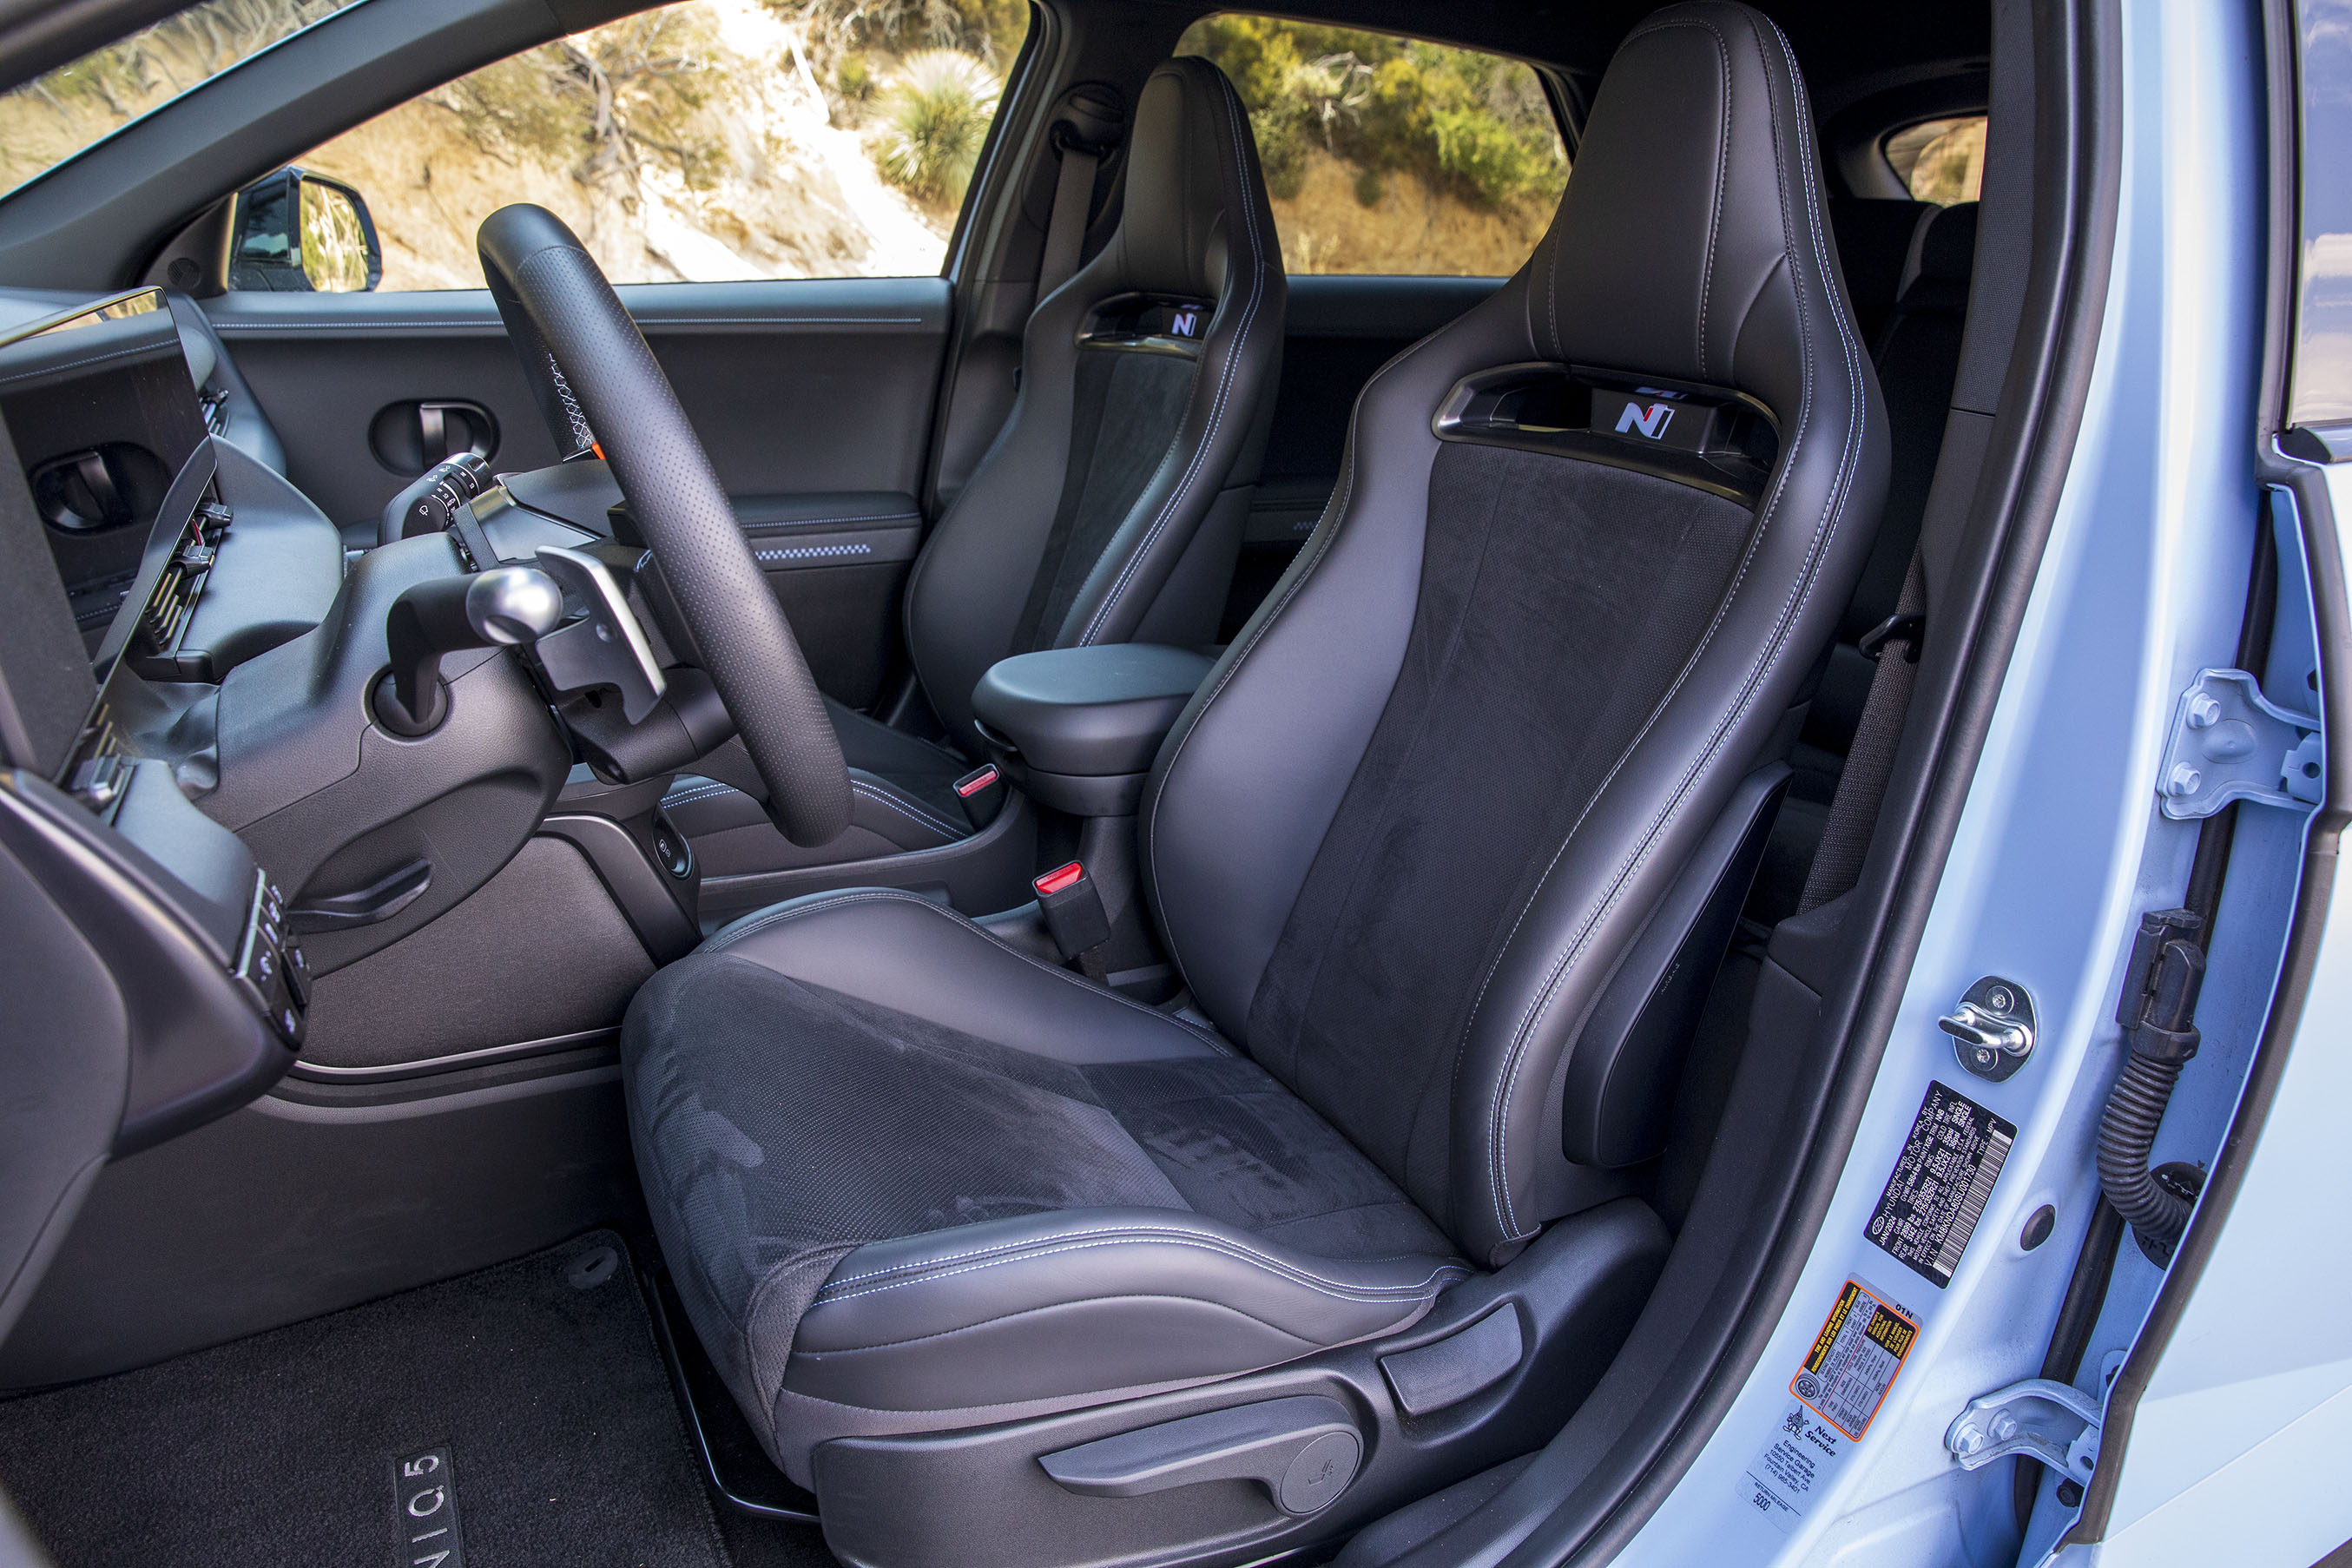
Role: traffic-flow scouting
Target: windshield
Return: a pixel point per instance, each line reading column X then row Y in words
column 53, row 117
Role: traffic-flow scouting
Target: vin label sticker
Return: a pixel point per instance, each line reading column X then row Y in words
column 1833, row 1398
column 1938, row 1192
column 424, row 1504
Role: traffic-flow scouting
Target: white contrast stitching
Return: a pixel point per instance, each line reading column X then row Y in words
column 724, row 940
column 1499, row 1127
column 1206, row 1244
column 1224, row 380
column 880, row 797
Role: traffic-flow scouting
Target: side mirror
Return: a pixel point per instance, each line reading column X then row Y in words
column 298, row 231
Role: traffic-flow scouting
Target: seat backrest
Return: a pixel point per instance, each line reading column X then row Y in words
column 1918, row 355
column 1587, row 541
column 1109, row 507
column 1874, row 239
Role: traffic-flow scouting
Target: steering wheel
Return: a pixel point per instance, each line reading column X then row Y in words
column 601, row 390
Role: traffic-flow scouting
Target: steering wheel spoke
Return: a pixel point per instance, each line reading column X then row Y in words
column 600, row 389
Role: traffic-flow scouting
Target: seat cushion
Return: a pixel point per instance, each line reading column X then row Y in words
column 910, row 1179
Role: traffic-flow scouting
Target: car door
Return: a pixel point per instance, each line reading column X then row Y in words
column 774, row 203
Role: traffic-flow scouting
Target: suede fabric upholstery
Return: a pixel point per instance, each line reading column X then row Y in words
column 1110, row 507
column 1691, row 246
column 1398, row 844
column 784, row 1125
column 1558, row 601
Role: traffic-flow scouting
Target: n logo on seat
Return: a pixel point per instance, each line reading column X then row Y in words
column 1651, row 421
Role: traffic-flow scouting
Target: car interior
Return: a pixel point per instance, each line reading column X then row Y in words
column 1137, row 904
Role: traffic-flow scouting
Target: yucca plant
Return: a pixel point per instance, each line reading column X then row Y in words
column 937, row 116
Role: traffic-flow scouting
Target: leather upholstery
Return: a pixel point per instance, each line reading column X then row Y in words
column 1141, row 1207
column 1691, row 243
column 913, row 1179
column 1194, row 225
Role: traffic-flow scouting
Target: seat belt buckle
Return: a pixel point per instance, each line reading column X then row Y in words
column 1904, row 627
column 984, row 777
column 1073, row 909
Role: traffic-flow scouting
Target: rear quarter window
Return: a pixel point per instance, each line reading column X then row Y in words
column 1389, row 154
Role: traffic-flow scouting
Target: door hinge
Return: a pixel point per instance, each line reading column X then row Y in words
column 2230, row 742
column 2056, row 1423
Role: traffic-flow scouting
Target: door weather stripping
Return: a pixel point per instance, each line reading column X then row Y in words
column 2230, row 742
column 2056, row 1423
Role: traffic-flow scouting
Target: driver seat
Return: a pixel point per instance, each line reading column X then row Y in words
column 1108, row 510
column 914, row 1181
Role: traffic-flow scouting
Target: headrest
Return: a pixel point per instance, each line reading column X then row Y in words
column 1691, row 243
column 1944, row 247
column 1191, row 165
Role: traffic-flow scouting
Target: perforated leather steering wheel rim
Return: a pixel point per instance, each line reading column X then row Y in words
column 600, row 388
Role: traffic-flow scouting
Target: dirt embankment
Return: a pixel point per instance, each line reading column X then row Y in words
column 779, row 190
column 1412, row 228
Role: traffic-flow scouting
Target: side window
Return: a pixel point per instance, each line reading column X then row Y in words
column 1388, row 154
column 702, row 142
column 1940, row 161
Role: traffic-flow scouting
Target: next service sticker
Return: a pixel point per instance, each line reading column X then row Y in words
column 1835, row 1396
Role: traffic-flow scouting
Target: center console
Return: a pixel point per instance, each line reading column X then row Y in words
column 1076, row 729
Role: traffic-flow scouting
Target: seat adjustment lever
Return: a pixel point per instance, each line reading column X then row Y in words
column 1304, row 1450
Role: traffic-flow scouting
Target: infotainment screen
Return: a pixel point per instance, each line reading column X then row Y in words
column 104, row 418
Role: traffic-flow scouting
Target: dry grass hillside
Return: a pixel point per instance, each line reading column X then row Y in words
column 694, row 142
column 1411, row 228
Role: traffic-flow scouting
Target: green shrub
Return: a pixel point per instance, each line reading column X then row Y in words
column 1370, row 188
column 854, row 80
column 937, row 119
column 1470, row 123
column 1485, row 158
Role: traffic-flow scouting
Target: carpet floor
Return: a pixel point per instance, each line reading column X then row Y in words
column 539, row 1381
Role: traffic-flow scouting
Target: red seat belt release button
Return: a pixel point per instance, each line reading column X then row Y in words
column 1074, row 911
column 979, row 779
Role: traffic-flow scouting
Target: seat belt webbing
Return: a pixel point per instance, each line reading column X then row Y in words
column 1066, row 227
column 1870, row 761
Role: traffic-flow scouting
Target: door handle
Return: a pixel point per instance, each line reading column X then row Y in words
column 411, row 437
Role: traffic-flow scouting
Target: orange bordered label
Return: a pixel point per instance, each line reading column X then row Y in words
column 1855, row 1360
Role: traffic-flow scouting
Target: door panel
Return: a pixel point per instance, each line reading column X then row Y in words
column 813, row 397
column 1340, row 330
column 799, row 385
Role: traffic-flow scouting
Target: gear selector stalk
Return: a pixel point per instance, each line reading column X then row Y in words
column 506, row 606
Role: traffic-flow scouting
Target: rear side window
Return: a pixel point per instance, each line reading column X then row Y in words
column 1390, row 154
column 702, row 141
column 1940, row 161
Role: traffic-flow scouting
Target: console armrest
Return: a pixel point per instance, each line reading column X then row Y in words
column 1077, row 727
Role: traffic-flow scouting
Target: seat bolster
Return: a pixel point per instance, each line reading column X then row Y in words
column 1101, row 1296
column 701, row 806
column 900, row 951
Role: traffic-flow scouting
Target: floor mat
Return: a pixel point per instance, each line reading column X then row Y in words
column 538, row 1380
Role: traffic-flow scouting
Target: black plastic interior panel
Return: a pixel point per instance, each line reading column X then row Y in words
column 300, row 1207
column 814, row 384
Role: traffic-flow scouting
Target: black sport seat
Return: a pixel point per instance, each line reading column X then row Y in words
column 912, row 1180
column 1110, row 507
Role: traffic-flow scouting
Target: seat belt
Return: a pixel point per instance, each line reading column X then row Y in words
column 1895, row 643
column 1066, row 228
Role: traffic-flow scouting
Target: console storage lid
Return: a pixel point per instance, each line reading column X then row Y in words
column 1089, row 712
